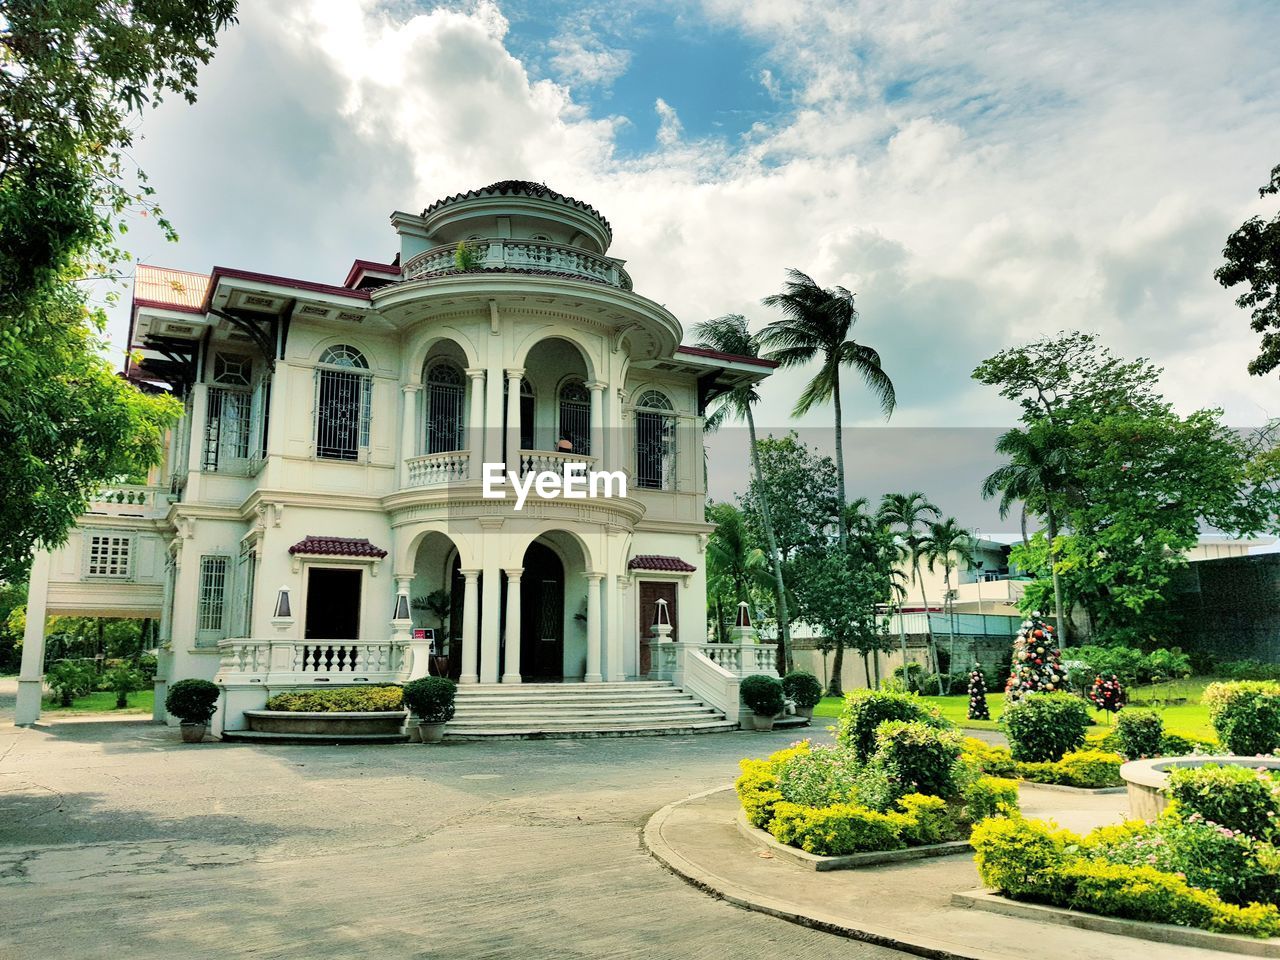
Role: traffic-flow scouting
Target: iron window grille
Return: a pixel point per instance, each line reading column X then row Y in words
column 344, row 401
column 226, row 431
column 445, row 401
column 213, row 593
column 248, row 573
column 575, row 416
column 655, row 442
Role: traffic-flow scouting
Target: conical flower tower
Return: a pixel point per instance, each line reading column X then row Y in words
column 1037, row 662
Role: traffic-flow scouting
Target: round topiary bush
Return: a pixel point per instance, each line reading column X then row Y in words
column 763, row 694
column 802, row 687
column 865, row 710
column 1141, row 733
column 918, row 757
column 192, row 701
column 431, row 698
column 1246, row 715
column 1042, row 727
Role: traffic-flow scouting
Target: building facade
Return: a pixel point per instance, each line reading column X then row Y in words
column 322, row 515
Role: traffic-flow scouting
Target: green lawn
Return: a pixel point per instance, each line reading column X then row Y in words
column 1191, row 719
column 102, row 701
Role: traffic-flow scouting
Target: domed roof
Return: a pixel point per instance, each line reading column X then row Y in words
column 525, row 188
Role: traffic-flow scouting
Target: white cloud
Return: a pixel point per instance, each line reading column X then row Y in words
column 583, row 59
column 669, row 126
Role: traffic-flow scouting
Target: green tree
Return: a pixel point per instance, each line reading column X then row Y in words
column 798, row 484
column 729, row 334
column 1252, row 256
column 816, row 324
column 736, row 569
column 73, row 76
column 907, row 516
column 948, row 544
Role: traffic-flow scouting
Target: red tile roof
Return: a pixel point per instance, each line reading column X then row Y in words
column 666, row 564
column 337, row 547
column 717, row 355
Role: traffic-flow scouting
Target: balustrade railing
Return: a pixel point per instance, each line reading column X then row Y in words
column 306, row 661
column 513, row 254
column 439, row 468
column 130, row 500
column 551, row 461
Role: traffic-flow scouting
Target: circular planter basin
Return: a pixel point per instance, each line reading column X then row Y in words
column 342, row 724
column 1146, row 779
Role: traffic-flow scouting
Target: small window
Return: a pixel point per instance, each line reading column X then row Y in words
column 109, row 556
column 344, row 402
column 575, row 416
column 342, row 355
column 232, row 371
column 655, row 442
column 213, row 593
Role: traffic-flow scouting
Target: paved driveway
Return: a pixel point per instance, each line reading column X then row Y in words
column 117, row 840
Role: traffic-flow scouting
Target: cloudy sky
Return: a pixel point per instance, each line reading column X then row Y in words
column 979, row 173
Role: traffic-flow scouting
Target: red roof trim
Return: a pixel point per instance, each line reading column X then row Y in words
column 337, row 547
column 665, row 564
column 230, row 273
column 157, row 305
column 717, row 355
column 368, row 266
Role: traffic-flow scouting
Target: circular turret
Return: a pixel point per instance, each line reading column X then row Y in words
column 518, row 210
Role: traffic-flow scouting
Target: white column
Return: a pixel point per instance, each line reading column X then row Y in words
column 408, row 429
column 475, row 425
column 31, row 675
column 511, row 668
column 490, row 620
column 593, row 628
column 597, row 422
column 417, row 663
column 514, row 377
column 470, row 627
column 277, row 421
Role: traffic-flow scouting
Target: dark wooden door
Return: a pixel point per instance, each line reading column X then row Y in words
column 542, row 615
column 650, row 592
column 333, row 604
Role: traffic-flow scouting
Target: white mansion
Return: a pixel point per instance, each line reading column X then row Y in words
column 320, row 516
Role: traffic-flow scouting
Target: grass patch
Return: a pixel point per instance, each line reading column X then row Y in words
column 102, row 701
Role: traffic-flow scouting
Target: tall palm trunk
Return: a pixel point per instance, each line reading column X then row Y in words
column 902, row 639
column 944, row 685
column 842, row 522
column 779, row 587
column 1063, row 629
column 930, row 644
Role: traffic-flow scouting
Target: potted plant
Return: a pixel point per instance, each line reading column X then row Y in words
column 804, row 690
column 193, row 702
column 430, row 699
column 763, row 695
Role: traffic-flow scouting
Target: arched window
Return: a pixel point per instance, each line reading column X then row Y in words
column 655, row 442
column 344, row 402
column 445, row 402
column 575, row 416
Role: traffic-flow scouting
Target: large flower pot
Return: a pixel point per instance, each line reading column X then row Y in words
column 761, row 723
column 806, row 712
column 432, row 732
column 193, row 732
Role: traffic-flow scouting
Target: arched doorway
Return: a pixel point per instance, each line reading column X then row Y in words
column 542, row 615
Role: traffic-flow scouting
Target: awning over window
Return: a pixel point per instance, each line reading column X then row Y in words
column 337, row 547
column 664, row 564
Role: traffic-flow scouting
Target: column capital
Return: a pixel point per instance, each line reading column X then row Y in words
column 475, row 373
column 411, row 387
column 594, row 577
column 403, row 580
column 597, row 386
column 472, row 575
column 515, row 373
column 514, row 573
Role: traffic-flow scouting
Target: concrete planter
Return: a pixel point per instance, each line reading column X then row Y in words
column 341, row 724
column 431, row 732
column 806, row 712
column 759, row 722
column 1146, row 779
column 193, row 732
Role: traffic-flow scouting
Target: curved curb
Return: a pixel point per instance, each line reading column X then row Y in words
column 656, row 846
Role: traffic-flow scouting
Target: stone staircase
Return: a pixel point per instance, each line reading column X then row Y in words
column 537, row 711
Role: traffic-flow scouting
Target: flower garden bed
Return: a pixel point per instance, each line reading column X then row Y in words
column 336, row 714
column 851, row 861
column 327, row 723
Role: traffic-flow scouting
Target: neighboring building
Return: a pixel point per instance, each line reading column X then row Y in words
column 326, row 476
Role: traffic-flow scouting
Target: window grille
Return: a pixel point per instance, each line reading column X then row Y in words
column 248, row 571
column 232, row 371
column 655, row 442
column 446, row 395
column 344, row 400
column 226, row 430
column 109, row 556
column 259, row 419
column 213, row 592
column 575, row 416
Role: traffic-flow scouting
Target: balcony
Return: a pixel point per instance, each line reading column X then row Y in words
column 130, row 500
column 551, row 461
column 439, row 469
column 515, row 255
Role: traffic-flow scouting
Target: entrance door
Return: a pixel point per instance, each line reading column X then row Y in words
column 333, row 604
column 542, row 615
column 650, row 591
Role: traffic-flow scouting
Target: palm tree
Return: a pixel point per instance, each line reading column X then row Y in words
column 729, row 334
column 816, row 323
column 1036, row 475
column 950, row 544
column 897, row 594
column 734, row 567
column 907, row 515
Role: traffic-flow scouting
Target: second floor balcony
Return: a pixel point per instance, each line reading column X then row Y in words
column 515, row 255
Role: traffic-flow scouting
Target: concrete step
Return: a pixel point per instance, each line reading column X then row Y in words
column 455, row 731
column 531, row 717
column 585, row 703
column 466, row 691
column 254, row 736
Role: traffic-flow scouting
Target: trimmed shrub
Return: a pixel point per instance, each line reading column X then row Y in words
column 1088, row 769
column 820, row 777
column 1176, row 745
column 802, row 687
column 988, row 758
column 148, row 664
column 431, row 698
column 340, row 700
column 70, row 679
column 989, row 796
column 1237, row 798
column 837, row 830
column 1107, row 740
column 1246, row 715
column 1020, row 857
column 762, row 694
column 123, row 680
column 758, row 791
column 1141, row 733
column 192, row 701
column 865, row 710
column 1043, row 726
column 931, row 820
column 918, row 758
